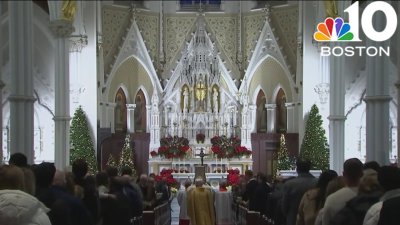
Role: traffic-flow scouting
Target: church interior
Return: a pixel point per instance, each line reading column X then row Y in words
column 198, row 86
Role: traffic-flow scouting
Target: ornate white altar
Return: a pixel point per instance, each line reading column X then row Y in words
column 200, row 99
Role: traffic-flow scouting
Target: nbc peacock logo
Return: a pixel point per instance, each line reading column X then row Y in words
column 336, row 30
column 333, row 30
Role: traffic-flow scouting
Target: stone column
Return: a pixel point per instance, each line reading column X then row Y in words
column 336, row 116
column 398, row 91
column 21, row 97
column 130, row 117
column 62, row 29
column 377, row 100
column 271, row 117
column 290, row 117
column 1, row 96
column 148, row 116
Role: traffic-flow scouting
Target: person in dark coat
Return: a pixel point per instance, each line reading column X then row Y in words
column 294, row 189
column 390, row 212
column 258, row 201
column 88, row 184
column 250, row 186
column 116, row 210
column 79, row 213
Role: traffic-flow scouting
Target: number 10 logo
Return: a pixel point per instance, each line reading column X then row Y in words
column 337, row 30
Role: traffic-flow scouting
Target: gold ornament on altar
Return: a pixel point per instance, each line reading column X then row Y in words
column 69, row 9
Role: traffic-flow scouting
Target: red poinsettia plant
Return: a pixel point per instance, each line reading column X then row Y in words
column 200, row 137
column 153, row 153
column 224, row 147
column 173, row 147
column 167, row 175
column 233, row 177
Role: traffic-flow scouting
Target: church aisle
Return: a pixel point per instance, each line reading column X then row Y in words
column 175, row 212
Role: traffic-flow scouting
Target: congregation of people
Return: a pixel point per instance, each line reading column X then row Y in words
column 40, row 194
column 366, row 194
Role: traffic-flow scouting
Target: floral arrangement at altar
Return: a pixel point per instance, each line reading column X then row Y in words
column 233, row 177
column 173, row 147
column 224, row 147
column 200, row 138
column 167, row 174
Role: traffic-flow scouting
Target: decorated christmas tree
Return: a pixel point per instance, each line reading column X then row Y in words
column 112, row 162
column 284, row 162
column 315, row 146
column 126, row 158
column 81, row 142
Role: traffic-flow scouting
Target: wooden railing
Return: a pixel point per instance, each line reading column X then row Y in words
column 161, row 215
column 243, row 216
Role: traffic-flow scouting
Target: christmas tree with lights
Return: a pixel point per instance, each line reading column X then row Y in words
column 112, row 162
column 315, row 146
column 81, row 142
column 284, row 162
column 126, row 158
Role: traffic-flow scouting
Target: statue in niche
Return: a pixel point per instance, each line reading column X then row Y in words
column 261, row 115
column 282, row 114
column 140, row 113
column 200, row 94
column 185, row 100
column 215, row 100
column 120, row 112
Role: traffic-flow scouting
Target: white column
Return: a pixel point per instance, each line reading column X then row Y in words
column 271, row 117
column 102, row 114
column 1, row 96
column 62, row 29
column 336, row 116
column 398, row 90
column 130, row 117
column 290, row 117
column 148, row 116
column 21, row 97
column 155, row 130
column 377, row 102
column 110, row 115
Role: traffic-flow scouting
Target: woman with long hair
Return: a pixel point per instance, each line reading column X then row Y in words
column 314, row 199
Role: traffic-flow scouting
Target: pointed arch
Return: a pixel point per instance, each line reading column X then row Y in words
column 140, row 112
column 261, row 114
column 281, row 112
column 146, row 95
column 120, row 111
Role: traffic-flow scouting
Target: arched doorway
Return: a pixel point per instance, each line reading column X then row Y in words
column 261, row 116
column 281, row 117
column 120, row 111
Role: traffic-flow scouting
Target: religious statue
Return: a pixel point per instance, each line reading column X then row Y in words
column 69, row 9
column 200, row 204
column 215, row 100
column 200, row 94
column 185, row 100
column 331, row 9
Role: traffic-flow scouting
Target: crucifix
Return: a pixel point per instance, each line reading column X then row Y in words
column 201, row 156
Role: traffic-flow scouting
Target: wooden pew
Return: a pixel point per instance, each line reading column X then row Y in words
column 161, row 215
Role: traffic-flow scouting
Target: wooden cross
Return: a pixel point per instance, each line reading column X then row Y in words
column 202, row 155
